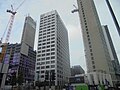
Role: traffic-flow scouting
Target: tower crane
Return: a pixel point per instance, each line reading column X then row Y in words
column 10, row 23
column 75, row 10
column 3, row 46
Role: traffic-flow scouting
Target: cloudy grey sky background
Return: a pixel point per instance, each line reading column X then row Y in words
column 35, row 8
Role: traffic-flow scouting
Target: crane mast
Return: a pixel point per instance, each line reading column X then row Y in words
column 10, row 25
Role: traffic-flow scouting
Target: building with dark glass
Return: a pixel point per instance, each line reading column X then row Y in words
column 76, row 70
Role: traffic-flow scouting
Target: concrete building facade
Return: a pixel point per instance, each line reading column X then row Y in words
column 112, row 52
column 53, row 49
column 96, row 50
column 20, row 63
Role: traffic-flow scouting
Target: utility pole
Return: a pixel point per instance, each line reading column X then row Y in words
column 113, row 16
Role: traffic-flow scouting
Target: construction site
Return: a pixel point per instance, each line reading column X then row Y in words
column 4, row 41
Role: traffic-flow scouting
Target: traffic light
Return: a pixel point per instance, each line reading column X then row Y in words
column 53, row 75
column 46, row 75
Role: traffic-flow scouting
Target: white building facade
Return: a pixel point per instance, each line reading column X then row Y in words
column 53, row 49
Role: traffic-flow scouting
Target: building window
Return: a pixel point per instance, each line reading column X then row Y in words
column 48, row 50
column 48, row 42
column 48, row 32
column 42, row 71
column 52, row 49
column 48, row 54
column 47, row 58
column 91, row 54
column 88, row 39
column 89, row 42
column 38, row 59
column 38, row 63
column 42, row 62
column 90, row 50
column 53, row 42
column 43, row 50
column 38, row 67
column 47, row 62
column 90, row 46
column 52, row 38
column 43, row 47
column 43, row 58
column 52, row 34
column 48, row 46
column 93, row 66
column 52, row 45
column 38, row 55
column 47, row 66
column 53, row 57
column 52, row 66
column 88, row 36
column 85, row 23
column 52, row 61
column 42, row 67
column 52, row 28
column 42, row 76
column 52, row 53
column 44, row 33
column 93, row 62
column 52, row 31
column 48, row 36
column 43, row 54
column 39, row 44
column 48, row 39
column 92, row 58
column 44, row 40
column 87, row 32
column 37, row 71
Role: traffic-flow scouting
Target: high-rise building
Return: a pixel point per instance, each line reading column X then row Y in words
column 20, row 63
column 53, row 49
column 112, row 52
column 28, row 36
column 21, row 57
column 76, row 70
column 96, row 50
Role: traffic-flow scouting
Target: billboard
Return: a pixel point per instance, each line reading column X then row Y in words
column 79, row 79
column 0, row 49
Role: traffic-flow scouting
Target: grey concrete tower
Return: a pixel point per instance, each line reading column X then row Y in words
column 96, row 51
column 29, row 30
column 112, row 52
column 28, row 36
column 53, row 49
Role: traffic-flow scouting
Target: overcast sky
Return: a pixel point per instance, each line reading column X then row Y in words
column 35, row 8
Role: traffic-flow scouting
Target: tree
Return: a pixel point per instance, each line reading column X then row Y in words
column 38, row 84
column 20, row 78
column 46, row 75
column 53, row 75
column 13, row 79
